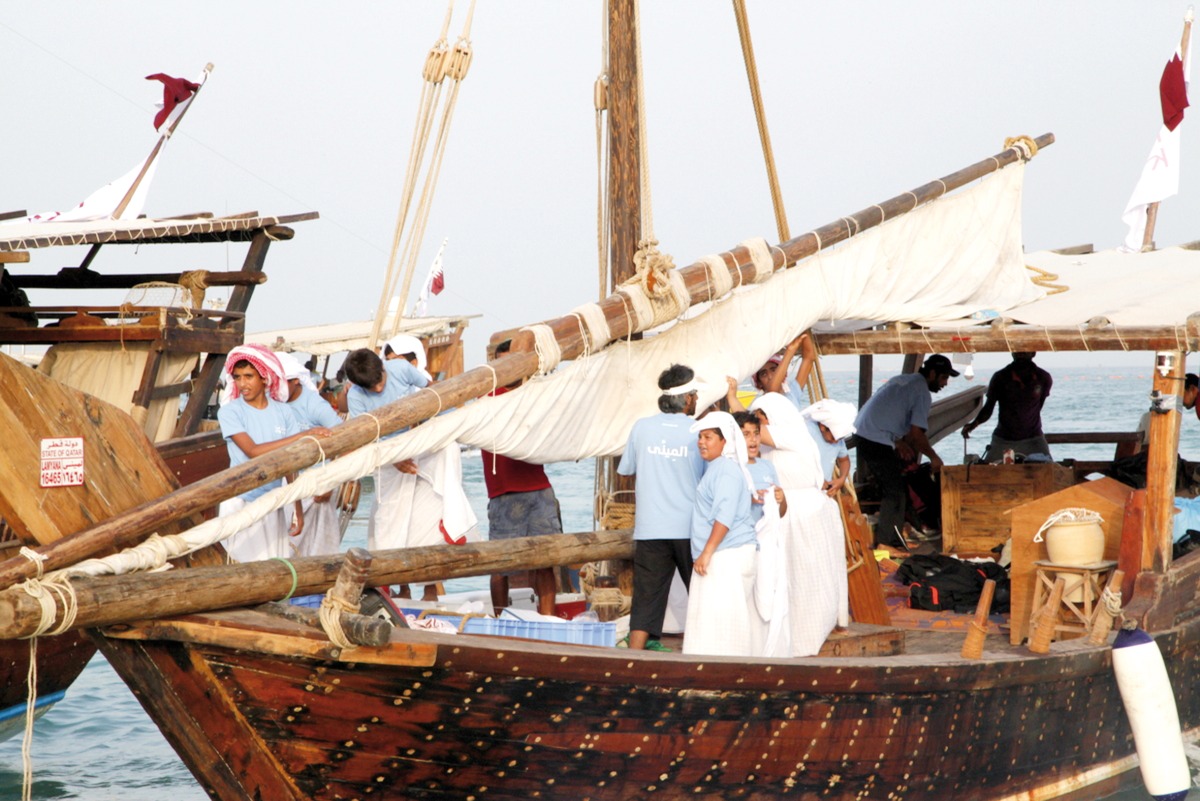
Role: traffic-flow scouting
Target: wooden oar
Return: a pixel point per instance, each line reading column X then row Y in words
column 111, row 600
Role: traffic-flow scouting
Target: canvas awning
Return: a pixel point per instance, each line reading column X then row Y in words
column 1106, row 300
column 323, row 340
column 18, row 236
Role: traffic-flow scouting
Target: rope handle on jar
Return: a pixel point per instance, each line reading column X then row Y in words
column 1072, row 515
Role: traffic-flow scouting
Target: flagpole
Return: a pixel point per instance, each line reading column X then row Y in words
column 162, row 140
column 1152, row 208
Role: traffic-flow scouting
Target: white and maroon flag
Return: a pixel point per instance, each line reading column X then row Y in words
column 1160, row 175
column 177, row 96
column 124, row 198
column 435, row 282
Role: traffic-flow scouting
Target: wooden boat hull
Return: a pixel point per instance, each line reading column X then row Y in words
column 279, row 716
column 60, row 660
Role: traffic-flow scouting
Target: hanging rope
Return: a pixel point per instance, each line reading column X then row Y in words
column 442, row 63
column 760, row 114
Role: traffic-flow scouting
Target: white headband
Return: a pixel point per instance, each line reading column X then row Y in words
column 684, row 389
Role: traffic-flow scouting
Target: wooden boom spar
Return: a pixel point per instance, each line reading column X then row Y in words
column 110, row 600
column 131, row 527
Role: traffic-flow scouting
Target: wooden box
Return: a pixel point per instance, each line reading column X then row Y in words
column 976, row 497
column 1106, row 496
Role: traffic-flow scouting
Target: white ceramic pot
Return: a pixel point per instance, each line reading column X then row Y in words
column 1075, row 542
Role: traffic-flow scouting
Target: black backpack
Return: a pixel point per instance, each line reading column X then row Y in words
column 937, row 582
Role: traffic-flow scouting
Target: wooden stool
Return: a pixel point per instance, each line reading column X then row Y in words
column 1080, row 595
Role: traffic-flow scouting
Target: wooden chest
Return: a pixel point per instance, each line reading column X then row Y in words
column 976, row 498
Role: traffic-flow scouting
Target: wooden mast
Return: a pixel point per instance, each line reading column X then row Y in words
column 624, row 190
column 624, row 170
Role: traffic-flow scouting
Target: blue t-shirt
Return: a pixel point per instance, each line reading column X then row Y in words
column 764, row 475
column 313, row 410
column 402, row 379
column 662, row 453
column 262, row 425
column 829, row 452
column 900, row 404
column 722, row 497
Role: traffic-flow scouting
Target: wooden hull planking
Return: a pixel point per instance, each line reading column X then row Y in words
column 473, row 717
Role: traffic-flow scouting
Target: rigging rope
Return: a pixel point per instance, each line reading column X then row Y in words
column 760, row 114
column 442, row 62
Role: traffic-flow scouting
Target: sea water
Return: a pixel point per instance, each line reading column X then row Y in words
column 98, row 744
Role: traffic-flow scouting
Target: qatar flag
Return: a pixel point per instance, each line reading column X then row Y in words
column 435, row 282
column 177, row 94
column 1160, row 175
column 125, row 197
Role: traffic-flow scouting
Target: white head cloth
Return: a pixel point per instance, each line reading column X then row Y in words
column 735, row 444
column 790, row 433
column 407, row 343
column 292, row 368
column 838, row 417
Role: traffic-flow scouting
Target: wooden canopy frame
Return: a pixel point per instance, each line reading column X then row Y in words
column 212, row 333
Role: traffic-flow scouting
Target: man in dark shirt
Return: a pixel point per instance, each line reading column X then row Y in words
column 521, row 503
column 1021, row 389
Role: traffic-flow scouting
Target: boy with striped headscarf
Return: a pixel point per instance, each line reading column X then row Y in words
column 256, row 421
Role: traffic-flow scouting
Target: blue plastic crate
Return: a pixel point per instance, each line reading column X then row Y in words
column 566, row 631
column 311, row 601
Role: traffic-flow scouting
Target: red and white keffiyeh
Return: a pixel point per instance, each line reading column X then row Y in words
column 264, row 360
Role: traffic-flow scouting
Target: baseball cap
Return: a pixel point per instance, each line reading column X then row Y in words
column 941, row 364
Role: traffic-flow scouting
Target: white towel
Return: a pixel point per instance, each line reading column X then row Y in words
column 410, row 510
column 771, row 582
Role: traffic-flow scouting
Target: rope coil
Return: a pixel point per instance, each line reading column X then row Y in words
column 330, row 615
column 597, row 334
column 1024, row 145
column 546, row 344
column 761, row 258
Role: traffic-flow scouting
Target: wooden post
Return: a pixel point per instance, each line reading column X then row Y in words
column 1047, row 619
column 1161, row 463
column 866, row 378
column 1102, row 621
column 239, row 300
column 352, row 577
column 977, row 633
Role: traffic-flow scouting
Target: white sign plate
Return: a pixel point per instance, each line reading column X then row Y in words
column 62, row 462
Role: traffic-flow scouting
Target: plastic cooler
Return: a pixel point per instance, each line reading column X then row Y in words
column 571, row 632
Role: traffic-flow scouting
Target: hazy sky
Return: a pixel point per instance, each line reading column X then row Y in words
column 311, row 107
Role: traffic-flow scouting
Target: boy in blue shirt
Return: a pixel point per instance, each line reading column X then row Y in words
column 255, row 422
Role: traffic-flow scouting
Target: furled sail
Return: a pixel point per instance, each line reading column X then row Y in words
column 945, row 260
column 949, row 258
